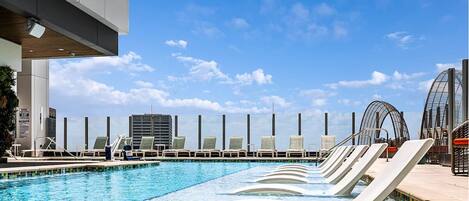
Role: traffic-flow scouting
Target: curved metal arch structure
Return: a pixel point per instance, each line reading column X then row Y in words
column 384, row 109
column 435, row 114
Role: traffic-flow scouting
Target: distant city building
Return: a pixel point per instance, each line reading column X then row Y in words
column 155, row 125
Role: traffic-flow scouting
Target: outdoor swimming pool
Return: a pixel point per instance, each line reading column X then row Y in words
column 168, row 181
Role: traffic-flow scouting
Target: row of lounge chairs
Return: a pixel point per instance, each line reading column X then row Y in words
column 343, row 168
column 235, row 149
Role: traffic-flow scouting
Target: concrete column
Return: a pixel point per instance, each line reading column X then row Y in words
column 451, row 108
column 33, row 95
column 86, row 134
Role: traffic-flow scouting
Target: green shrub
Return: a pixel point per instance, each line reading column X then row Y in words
column 8, row 106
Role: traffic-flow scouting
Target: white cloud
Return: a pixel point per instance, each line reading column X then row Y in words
column 403, row 39
column 377, row 97
column 239, row 23
column 275, row 100
column 404, row 76
column 425, row 85
column 143, row 84
column 348, row 102
column 340, row 30
column 201, row 69
column 177, row 43
column 440, row 67
column 377, row 78
column 324, row 10
column 258, row 76
column 318, row 97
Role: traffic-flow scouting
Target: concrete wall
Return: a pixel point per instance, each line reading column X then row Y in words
column 33, row 93
column 113, row 13
column 10, row 54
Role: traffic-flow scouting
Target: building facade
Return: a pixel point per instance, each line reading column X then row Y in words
column 154, row 125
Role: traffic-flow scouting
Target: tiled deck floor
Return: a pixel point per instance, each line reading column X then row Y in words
column 430, row 182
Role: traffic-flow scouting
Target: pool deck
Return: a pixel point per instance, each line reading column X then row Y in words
column 429, row 182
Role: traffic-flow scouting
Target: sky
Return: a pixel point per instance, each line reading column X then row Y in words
column 223, row 57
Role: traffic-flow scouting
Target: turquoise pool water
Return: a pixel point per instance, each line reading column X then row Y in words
column 170, row 181
column 136, row 184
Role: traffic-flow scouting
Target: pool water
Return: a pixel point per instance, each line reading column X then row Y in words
column 170, row 181
column 135, row 184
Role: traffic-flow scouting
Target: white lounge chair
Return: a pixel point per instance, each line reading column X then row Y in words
column 235, row 147
column 267, row 146
column 328, row 172
column 333, row 179
column 177, row 147
column 296, row 146
column 327, row 142
column 98, row 147
column 401, row 164
column 208, row 147
column 146, row 146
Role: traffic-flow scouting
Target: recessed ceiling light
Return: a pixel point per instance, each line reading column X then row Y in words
column 31, row 51
column 60, row 49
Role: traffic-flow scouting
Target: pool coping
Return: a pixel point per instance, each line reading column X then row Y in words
column 32, row 171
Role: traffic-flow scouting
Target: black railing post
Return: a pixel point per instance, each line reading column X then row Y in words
column 273, row 124
column 325, row 124
column 223, row 131
column 299, row 124
column 377, row 126
column 199, row 139
column 65, row 132
column 176, row 126
column 108, row 130
column 353, row 128
column 86, row 133
column 248, row 127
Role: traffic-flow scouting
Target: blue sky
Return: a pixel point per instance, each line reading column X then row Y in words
column 215, row 57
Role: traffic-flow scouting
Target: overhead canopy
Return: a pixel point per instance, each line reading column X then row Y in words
column 69, row 30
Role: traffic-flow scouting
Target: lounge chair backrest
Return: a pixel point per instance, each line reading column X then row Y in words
column 124, row 141
column 209, row 143
column 409, row 154
column 327, row 141
column 147, row 143
column 179, row 142
column 236, row 143
column 347, row 183
column 268, row 142
column 47, row 143
column 100, row 143
column 296, row 142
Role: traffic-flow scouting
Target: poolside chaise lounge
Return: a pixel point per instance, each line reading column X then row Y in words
column 177, row 147
column 46, row 147
column 146, row 146
column 333, row 179
column 267, row 146
column 208, row 147
column 327, row 142
column 410, row 153
column 308, row 167
column 296, row 146
column 235, row 147
column 98, row 147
